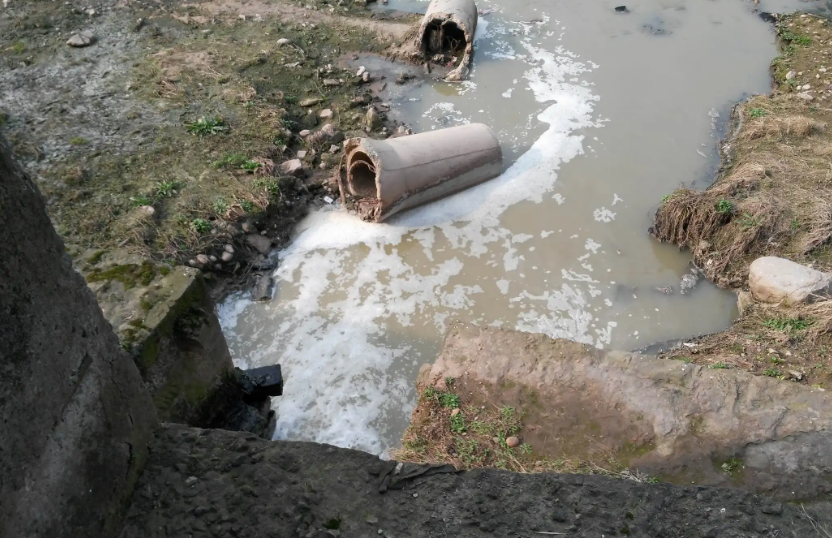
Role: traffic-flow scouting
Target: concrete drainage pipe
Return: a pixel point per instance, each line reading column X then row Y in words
column 448, row 27
column 383, row 177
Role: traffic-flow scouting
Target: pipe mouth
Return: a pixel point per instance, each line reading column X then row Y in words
column 361, row 176
column 443, row 36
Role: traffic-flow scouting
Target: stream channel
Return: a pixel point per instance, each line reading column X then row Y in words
column 600, row 114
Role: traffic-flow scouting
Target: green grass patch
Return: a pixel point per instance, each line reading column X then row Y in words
column 206, row 126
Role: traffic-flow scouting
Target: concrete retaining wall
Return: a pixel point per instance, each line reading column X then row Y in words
column 74, row 418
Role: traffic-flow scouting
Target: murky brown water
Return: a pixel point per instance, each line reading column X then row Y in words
column 600, row 115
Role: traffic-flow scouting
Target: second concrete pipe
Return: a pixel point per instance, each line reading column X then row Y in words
column 384, row 177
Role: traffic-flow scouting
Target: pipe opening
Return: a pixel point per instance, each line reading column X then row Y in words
column 443, row 37
column 362, row 176
column 453, row 38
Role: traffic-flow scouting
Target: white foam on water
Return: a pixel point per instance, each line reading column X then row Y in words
column 354, row 297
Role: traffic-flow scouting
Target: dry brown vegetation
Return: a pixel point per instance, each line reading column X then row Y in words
column 773, row 197
column 450, row 425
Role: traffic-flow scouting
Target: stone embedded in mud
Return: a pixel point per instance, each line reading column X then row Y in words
column 790, row 75
column 293, row 167
column 327, row 134
column 331, row 82
column 372, row 120
column 82, row 39
column 260, row 242
column 227, row 257
column 311, row 101
column 202, row 259
column 512, row 442
column 776, row 280
column 282, row 41
column 805, row 96
column 326, row 114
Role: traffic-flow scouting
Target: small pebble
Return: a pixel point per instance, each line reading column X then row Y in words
column 512, row 442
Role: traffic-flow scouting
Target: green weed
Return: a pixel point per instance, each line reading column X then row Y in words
column 757, row 112
column 78, row 141
column 206, row 126
column 772, row 372
column 724, row 206
column 250, row 166
column 270, row 185
column 458, row 423
column 232, row 159
column 448, row 399
column 247, row 206
column 775, row 360
column 719, row 366
column 732, row 465
column 789, row 324
column 167, row 189
column 220, row 205
column 747, row 220
column 201, row 226
column 796, row 39
column 140, row 200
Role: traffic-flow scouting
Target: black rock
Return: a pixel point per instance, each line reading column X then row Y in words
column 621, row 9
column 259, row 383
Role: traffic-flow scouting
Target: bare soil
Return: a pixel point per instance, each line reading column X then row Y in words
column 114, row 127
column 771, row 198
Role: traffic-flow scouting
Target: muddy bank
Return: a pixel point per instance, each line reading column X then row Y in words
column 526, row 402
column 204, row 482
column 770, row 199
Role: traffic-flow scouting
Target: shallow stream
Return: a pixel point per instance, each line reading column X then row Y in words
column 600, row 115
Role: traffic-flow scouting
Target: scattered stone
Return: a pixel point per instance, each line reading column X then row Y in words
column 334, row 148
column 212, row 258
column 282, row 41
column 366, row 76
column 796, row 375
column 328, row 199
column 260, row 242
column 361, row 71
column 744, row 301
column 310, row 101
column 790, row 75
column 301, row 154
column 293, row 167
column 202, row 259
column 512, row 442
column 687, row 283
column 326, row 113
column 331, row 82
column 82, row 39
column 328, row 133
column 805, row 96
column 372, row 120
column 91, row 13
column 775, row 280
column 304, row 133
column 455, row 412
column 806, row 87
column 372, row 520
column 139, row 24
column 228, row 248
column 359, row 101
column 621, row 9
column 249, row 228
column 227, row 257
column 262, row 290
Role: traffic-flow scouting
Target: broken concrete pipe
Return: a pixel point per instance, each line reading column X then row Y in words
column 449, row 26
column 383, row 177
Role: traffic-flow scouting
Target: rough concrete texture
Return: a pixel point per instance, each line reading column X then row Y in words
column 165, row 318
column 75, row 420
column 227, row 484
column 680, row 422
column 778, row 280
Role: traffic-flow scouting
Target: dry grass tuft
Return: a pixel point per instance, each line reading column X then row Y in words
column 781, row 126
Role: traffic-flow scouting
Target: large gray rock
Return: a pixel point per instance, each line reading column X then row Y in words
column 74, row 418
column 776, row 280
column 663, row 417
